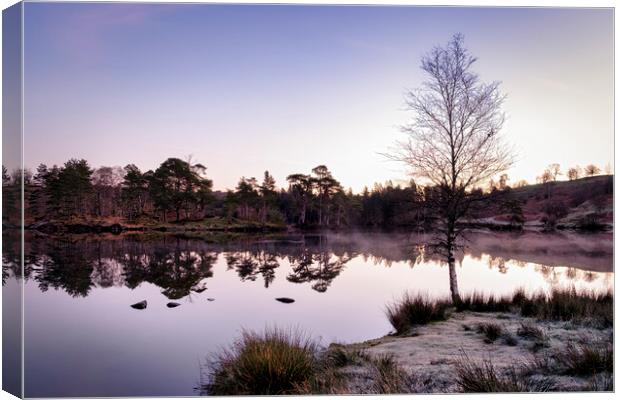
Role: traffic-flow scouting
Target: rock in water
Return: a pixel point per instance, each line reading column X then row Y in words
column 199, row 290
column 210, row 299
column 139, row 306
column 172, row 304
column 286, row 300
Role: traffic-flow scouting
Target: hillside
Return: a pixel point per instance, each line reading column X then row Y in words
column 585, row 203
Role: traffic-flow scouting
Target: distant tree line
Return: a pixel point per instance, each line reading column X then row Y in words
column 553, row 172
column 179, row 191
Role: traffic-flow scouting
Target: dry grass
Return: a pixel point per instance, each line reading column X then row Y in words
column 570, row 305
column 491, row 331
column 413, row 310
column 478, row 302
column 586, row 358
column 484, row 376
column 272, row 363
column 388, row 377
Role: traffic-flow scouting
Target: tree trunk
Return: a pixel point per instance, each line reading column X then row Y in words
column 454, row 287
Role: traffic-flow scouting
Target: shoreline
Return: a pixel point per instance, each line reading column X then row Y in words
column 430, row 354
column 217, row 225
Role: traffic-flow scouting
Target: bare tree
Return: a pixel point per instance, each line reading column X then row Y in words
column 574, row 173
column 546, row 177
column 454, row 141
column 555, row 171
column 591, row 170
column 503, row 181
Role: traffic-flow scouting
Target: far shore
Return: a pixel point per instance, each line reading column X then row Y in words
column 218, row 224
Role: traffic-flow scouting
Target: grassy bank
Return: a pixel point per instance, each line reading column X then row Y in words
column 558, row 305
column 559, row 341
column 287, row 362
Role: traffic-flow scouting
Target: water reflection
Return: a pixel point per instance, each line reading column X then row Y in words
column 78, row 290
column 181, row 265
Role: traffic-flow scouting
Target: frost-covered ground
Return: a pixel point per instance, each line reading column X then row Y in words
column 430, row 354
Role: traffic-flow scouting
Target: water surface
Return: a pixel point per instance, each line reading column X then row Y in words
column 82, row 338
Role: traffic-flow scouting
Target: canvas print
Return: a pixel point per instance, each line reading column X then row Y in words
column 233, row 199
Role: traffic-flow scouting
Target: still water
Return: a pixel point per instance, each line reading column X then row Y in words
column 83, row 339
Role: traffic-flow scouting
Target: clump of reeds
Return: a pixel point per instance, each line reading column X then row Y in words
column 413, row 310
column 600, row 383
column 275, row 362
column 509, row 340
column 338, row 356
column 484, row 376
column 529, row 331
column 388, row 377
column 586, row 358
column 568, row 304
column 478, row 302
column 491, row 331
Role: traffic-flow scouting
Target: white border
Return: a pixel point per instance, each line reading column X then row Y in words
column 479, row 3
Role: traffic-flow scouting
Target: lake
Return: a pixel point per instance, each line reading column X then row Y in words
column 83, row 339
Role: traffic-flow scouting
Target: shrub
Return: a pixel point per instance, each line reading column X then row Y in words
column 273, row 363
column 415, row 310
column 590, row 222
column 553, row 210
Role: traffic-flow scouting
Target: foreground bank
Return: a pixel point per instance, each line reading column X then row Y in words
column 562, row 341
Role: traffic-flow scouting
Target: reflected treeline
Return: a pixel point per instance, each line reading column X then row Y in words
column 78, row 266
column 181, row 265
column 249, row 264
column 320, row 269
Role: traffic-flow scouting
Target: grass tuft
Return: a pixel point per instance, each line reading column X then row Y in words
column 586, row 359
column 491, row 331
column 388, row 377
column 478, row 302
column 529, row 331
column 413, row 310
column 337, row 356
column 484, row 377
column 272, row 363
column 571, row 305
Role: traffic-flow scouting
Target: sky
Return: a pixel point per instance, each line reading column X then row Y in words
column 244, row 89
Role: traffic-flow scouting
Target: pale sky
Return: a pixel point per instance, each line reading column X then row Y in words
column 286, row 88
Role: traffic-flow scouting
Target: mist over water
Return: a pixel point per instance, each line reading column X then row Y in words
column 80, row 328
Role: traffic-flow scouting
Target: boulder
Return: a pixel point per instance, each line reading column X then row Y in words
column 172, row 304
column 285, row 300
column 139, row 306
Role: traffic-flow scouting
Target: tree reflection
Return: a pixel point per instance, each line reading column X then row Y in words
column 63, row 267
column 319, row 269
column 176, row 272
column 180, row 266
column 249, row 264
